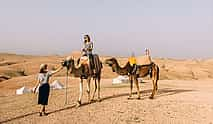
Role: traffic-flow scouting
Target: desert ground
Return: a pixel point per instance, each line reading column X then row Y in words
column 184, row 95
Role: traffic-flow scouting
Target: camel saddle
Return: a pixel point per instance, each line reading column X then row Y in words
column 84, row 60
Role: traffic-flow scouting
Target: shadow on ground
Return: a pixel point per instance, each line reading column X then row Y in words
column 145, row 94
column 18, row 117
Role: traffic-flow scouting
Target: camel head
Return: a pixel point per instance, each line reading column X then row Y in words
column 68, row 62
column 112, row 62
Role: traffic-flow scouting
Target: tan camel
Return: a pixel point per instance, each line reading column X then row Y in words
column 83, row 72
column 142, row 71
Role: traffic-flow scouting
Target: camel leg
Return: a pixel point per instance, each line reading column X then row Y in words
column 156, row 83
column 88, row 89
column 137, row 85
column 156, row 79
column 153, row 90
column 131, row 85
column 93, row 96
column 81, row 92
column 99, row 89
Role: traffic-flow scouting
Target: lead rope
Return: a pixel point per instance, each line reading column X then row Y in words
column 66, row 86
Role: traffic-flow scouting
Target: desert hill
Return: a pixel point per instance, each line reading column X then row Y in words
column 12, row 65
column 19, row 70
column 184, row 95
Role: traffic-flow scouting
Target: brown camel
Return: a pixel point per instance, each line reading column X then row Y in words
column 142, row 71
column 83, row 71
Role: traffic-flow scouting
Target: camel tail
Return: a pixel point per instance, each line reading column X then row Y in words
column 157, row 71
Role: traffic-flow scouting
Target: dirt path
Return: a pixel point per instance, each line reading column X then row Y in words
column 177, row 102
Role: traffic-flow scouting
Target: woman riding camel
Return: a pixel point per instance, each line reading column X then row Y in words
column 88, row 46
column 87, row 50
column 44, row 87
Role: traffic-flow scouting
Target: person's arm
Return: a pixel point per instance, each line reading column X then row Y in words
column 57, row 70
column 84, row 48
column 90, row 46
column 37, row 84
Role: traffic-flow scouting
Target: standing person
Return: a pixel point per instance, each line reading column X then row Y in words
column 133, row 63
column 44, row 87
column 87, row 50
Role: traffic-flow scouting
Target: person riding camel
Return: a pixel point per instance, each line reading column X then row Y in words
column 88, row 46
column 147, row 55
column 133, row 63
column 147, row 52
column 87, row 50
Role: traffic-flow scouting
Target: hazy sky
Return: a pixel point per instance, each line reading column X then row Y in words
column 170, row 28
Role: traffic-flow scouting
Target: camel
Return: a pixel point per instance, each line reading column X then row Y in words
column 142, row 71
column 117, row 68
column 83, row 71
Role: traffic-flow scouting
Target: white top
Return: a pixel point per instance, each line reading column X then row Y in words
column 44, row 77
column 88, row 47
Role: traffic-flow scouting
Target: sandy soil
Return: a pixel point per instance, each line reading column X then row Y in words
column 177, row 102
column 184, row 96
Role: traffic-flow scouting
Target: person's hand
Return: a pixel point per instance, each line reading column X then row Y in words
column 34, row 90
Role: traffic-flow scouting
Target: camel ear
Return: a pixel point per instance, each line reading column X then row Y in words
column 113, row 70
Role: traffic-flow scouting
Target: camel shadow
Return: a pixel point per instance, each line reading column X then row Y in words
column 144, row 93
column 62, row 109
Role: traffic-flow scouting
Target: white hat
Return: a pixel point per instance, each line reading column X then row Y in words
column 43, row 66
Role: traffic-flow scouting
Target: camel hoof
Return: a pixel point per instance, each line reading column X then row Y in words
column 129, row 97
column 78, row 104
column 151, row 97
column 99, row 100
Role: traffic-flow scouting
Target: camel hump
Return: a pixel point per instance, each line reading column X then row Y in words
column 84, row 60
